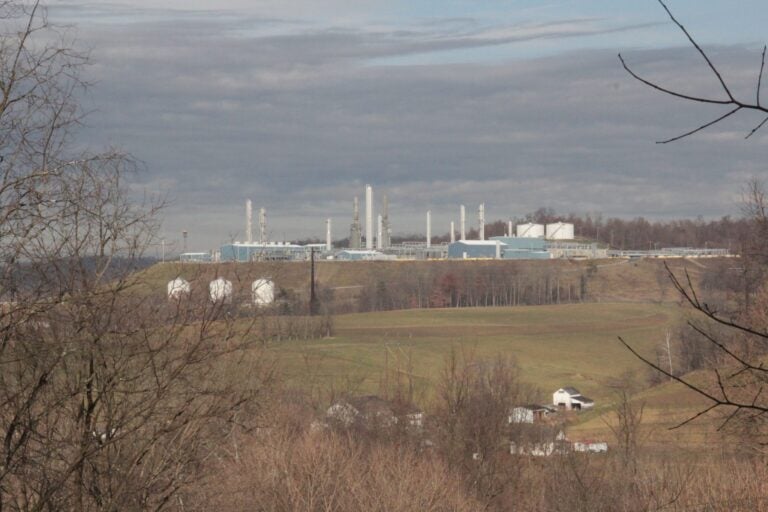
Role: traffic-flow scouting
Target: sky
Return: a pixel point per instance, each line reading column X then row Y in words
column 518, row 104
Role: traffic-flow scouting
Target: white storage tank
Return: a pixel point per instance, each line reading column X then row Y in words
column 220, row 291
column 560, row 231
column 530, row 230
column 177, row 288
column 263, row 292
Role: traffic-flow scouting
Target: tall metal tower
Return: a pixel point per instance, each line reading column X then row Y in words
column 368, row 217
column 429, row 228
column 263, row 225
column 386, row 229
column 481, row 221
column 355, row 233
column 248, row 221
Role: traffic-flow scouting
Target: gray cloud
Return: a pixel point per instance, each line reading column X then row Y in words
column 300, row 122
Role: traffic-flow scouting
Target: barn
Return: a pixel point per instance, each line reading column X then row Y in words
column 570, row 398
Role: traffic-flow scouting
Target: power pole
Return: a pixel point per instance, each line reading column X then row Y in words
column 312, row 297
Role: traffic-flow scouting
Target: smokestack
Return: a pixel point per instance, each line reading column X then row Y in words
column 379, row 228
column 355, row 232
column 248, row 221
column 263, row 225
column 453, row 232
column 328, row 243
column 481, row 222
column 385, row 228
column 509, row 229
column 462, row 224
column 368, row 217
column 429, row 228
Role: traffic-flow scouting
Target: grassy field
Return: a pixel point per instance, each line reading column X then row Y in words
column 553, row 345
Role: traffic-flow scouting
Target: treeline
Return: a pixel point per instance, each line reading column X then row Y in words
column 640, row 233
column 473, row 285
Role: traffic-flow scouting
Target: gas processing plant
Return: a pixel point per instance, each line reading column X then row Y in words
column 529, row 241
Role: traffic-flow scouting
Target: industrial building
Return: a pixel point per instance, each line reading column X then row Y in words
column 271, row 251
column 195, row 257
column 499, row 247
column 363, row 255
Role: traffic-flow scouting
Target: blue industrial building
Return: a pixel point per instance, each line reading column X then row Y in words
column 244, row 252
column 508, row 248
column 469, row 249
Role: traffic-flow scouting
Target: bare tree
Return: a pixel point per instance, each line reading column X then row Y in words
column 730, row 99
column 739, row 376
column 108, row 400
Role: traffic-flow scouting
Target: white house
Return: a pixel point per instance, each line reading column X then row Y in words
column 569, row 398
column 372, row 412
column 590, row 446
column 528, row 413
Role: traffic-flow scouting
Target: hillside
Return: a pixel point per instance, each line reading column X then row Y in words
column 347, row 282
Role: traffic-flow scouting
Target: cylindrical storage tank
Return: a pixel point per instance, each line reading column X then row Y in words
column 263, row 292
column 177, row 288
column 560, row 231
column 530, row 230
column 220, row 291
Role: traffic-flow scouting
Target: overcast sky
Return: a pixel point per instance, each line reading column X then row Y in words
column 297, row 104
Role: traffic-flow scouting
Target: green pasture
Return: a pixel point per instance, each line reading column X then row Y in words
column 554, row 346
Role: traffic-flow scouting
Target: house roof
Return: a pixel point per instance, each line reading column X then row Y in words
column 571, row 391
column 583, row 399
column 531, row 407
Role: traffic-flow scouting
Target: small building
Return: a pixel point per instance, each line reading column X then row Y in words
column 475, row 249
column 529, row 413
column 363, row 255
column 540, row 442
column 590, row 446
column 371, row 412
column 243, row 252
column 570, row 398
column 195, row 257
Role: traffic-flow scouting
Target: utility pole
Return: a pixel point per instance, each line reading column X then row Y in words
column 312, row 297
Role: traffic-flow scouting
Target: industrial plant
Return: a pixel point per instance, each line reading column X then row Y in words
column 369, row 242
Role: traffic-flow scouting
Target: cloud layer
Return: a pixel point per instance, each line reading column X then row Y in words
column 298, row 118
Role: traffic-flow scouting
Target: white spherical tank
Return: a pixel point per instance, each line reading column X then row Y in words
column 530, row 230
column 263, row 292
column 177, row 288
column 220, row 291
column 560, row 231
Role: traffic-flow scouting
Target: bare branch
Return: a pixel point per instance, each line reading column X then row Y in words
column 737, row 104
column 707, row 125
column 698, row 48
column 760, row 76
column 756, row 128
